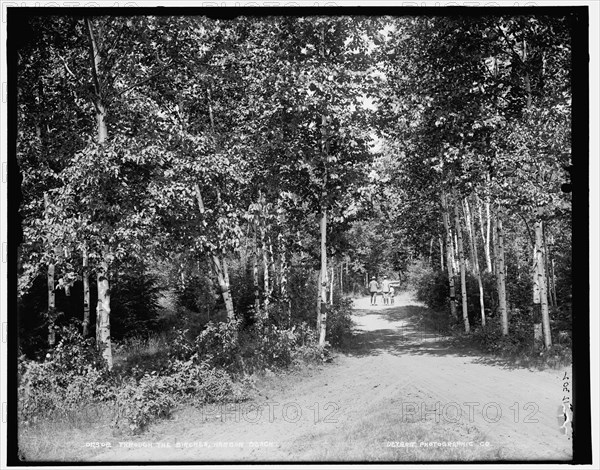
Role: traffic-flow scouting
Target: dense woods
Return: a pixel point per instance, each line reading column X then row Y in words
column 232, row 182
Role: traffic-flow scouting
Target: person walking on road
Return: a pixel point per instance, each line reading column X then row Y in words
column 385, row 288
column 373, row 288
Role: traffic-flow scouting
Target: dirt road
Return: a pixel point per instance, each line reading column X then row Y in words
column 402, row 395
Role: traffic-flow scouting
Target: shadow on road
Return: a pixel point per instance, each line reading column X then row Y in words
column 400, row 330
column 413, row 330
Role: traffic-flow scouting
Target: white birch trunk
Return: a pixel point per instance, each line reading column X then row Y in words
column 463, row 280
column 449, row 262
column 103, row 314
column 475, row 257
column 541, row 273
column 86, row 294
column 501, row 272
column 219, row 268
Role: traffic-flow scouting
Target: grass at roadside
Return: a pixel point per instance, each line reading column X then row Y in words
column 67, row 437
column 513, row 351
column 78, row 435
column 377, row 437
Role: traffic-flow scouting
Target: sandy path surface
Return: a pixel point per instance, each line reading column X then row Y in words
column 397, row 370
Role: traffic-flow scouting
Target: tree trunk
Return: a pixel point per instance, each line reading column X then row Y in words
column 103, row 305
column 228, row 299
column 331, row 284
column 51, row 306
column 283, row 285
column 271, row 262
column 219, row 269
column 103, row 314
column 319, row 302
column 548, row 268
column 51, row 311
column 501, row 272
column 461, row 259
column 183, row 283
column 541, row 275
column 449, row 261
column 324, row 280
column 488, row 258
column 323, row 221
column 441, row 253
column 494, row 247
column 475, row 258
column 95, row 60
column 485, row 232
column 86, row 294
column 266, row 279
column 455, row 253
column 431, row 252
column 553, row 283
column 470, row 234
column 255, row 276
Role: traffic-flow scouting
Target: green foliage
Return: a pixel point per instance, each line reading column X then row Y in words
column 134, row 303
column 136, row 355
column 490, row 339
column 303, row 292
column 226, row 346
column 199, row 295
column 281, row 347
column 74, row 353
column 73, row 376
column 202, row 382
column 562, row 320
column 218, row 344
column 140, row 402
column 432, row 288
column 339, row 321
column 242, row 290
column 519, row 345
column 181, row 347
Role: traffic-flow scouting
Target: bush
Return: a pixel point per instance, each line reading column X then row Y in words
column 199, row 300
column 518, row 341
column 199, row 369
column 180, row 346
column 432, row 289
column 73, row 376
column 141, row 402
column 260, row 346
column 562, row 319
column 134, row 356
column 303, row 292
column 307, row 346
column 204, row 383
column 218, row 344
column 74, row 353
column 39, row 391
column 339, row 321
column 134, row 303
column 490, row 339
